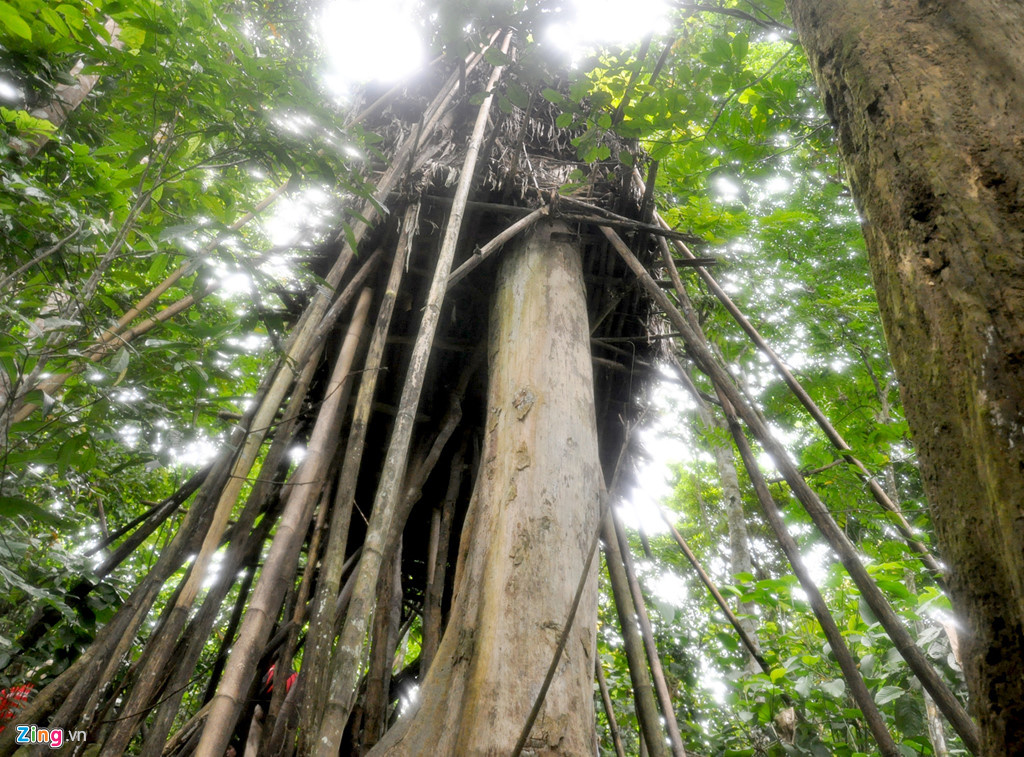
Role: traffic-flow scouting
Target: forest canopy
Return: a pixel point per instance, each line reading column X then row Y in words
column 244, row 419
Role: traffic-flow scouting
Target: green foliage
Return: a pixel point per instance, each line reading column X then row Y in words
column 204, row 106
column 746, row 160
column 199, row 108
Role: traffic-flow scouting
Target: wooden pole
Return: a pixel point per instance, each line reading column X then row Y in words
column 320, row 637
column 349, row 652
column 643, row 693
column 284, row 550
column 668, row 711
column 836, row 537
column 877, row 492
column 606, row 700
column 858, row 688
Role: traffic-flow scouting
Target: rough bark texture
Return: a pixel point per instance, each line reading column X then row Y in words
column 533, row 514
column 929, row 107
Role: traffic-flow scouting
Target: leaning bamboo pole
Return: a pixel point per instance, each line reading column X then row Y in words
column 609, row 711
column 321, row 626
column 303, row 344
column 283, row 664
column 238, row 552
column 752, row 648
column 836, row 537
column 833, row 435
column 349, row 652
column 437, row 561
column 387, row 624
column 643, row 691
column 112, row 339
column 284, row 550
column 849, row 667
column 668, row 711
column 68, row 692
column 75, row 686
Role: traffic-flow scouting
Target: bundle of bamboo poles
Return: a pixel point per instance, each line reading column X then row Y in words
column 324, row 566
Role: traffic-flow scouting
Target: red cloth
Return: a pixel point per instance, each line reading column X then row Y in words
column 268, row 681
column 13, row 700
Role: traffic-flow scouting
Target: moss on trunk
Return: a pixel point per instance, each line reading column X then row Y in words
column 929, row 108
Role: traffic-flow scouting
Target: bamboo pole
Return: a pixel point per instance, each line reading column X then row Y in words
column 283, row 665
column 68, row 692
column 705, row 579
column 647, row 634
column 151, row 519
column 822, row 519
column 304, row 342
column 148, row 522
column 849, row 667
column 417, row 475
column 345, row 662
column 369, row 212
column 482, row 253
column 189, row 267
column 833, row 435
column 643, row 693
column 321, row 628
column 844, row 657
column 190, row 647
column 159, row 652
column 440, row 536
column 284, row 550
column 606, row 700
column 110, row 341
column 386, row 628
column 239, row 552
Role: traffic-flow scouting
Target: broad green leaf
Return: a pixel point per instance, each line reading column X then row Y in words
column 11, row 18
column 887, row 694
column 11, row 507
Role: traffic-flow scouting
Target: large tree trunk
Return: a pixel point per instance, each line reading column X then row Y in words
column 928, row 100
column 525, row 541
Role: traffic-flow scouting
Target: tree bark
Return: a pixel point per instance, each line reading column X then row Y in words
column 527, row 533
column 930, row 116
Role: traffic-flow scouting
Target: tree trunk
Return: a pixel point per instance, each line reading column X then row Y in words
column 930, row 114
column 533, row 514
column 736, row 519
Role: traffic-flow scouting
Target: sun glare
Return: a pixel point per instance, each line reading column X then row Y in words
column 369, row 41
column 594, row 22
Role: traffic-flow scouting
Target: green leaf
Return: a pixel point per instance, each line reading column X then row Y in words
column 495, row 57
column 803, row 686
column 518, row 95
column 887, row 694
column 51, row 17
column 740, row 44
column 11, row 18
column 834, row 688
column 120, row 364
column 552, row 96
column 777, row 673
column 564, row 120
column 11, row 507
